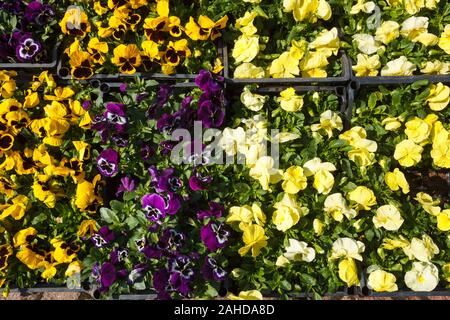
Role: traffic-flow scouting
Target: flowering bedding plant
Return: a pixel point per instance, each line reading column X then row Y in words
column 48, row 187
column 148, row 36
column 28, row 31
column 282, row 39
column 406, row 236
column 397, row 38
column 164, row 229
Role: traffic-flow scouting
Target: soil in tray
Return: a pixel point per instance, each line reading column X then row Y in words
column 432, row 182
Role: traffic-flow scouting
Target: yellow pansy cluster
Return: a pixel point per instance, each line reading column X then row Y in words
column 363, row 149
column 309, row 59
column 413, row 28
column 251, row 221
column 347, row 250
column 432, row 207
column 167, row 41
column 31, row 254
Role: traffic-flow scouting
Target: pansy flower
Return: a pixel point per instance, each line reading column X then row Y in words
column 214, row 236
column 108, row 163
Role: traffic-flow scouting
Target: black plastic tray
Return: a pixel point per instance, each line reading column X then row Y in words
column 25, row 66
column 340, row 80
column 63, row 72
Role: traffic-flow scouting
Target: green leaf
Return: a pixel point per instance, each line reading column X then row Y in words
column 109, row 216
column 132, row 222
column 211, row 292
column 38, row 219
column 309, row 280
column 117, row 206
column 285, row 285
column 369, row 235
column 421, row 83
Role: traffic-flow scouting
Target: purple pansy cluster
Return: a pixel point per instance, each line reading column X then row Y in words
column 22, row 44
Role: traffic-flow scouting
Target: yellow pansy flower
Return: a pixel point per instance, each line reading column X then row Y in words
column 318, row 227
column 382, row 281
column 127, row 58
column 265, row 173
column 246, row 48
column 444, row 40
column 424, row 276
column 396, row 243
column 313, row 64
column 421, row 249
column 30, row 258
column 367, row 66
column 98, row 50
column 443, row 220
column 287, row 213
column 248, row 70
column 87, row 226
column 387, row 32
column 435, row 67
column 75, row 22
column 7, row 83
column 86, row 198
column 418, row 130
column 439, row 97
column 396, row 180
column 323, row 179
column 348, row 272
column 327, row 41
column 336, row 206
column 347, row 248
column 16, row 209
column 31, row 99
column 289, row 100
column 428, row 204
column 392, row 123
column 285, row 66
column 254, row 238
column 24, row 236
column 363, row 6
column 329, row 121
column 246, row 215
column 398, row 67
column 73, row 268
column 363, row 197
column 407, row 153
column 388, row 217
column 245, row 23
column 294, row 180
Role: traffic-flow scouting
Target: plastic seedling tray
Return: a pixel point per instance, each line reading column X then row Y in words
column 340, row 80
column 63, row 72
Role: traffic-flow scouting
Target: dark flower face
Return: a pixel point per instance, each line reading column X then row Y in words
column 166, row 181
column 171, row 240
column 118, row 255
column 147, row 152
column 182, row 265
column 103, row 237
column 12, row 6
column 154, row 206
column 212, row 271
column 216, row 210
column 27, row 49
column 108, row 163
column 120, row 140
column 214, row 236
column 167, row 146
column 210, row 114
column 115, row 113
column 167, row 123
column 137, row 273
column 107, row 274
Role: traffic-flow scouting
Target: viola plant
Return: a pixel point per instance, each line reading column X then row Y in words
column 397, row 38
column 283, row 39
column 164, row 229
column 28, row 31
column 49, row 190
column 123, row 37
column 407, row 235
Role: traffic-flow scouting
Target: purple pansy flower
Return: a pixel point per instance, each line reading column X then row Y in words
column 171, row 239
column 118, row 255
column 167, row 146
column 147, row 152
column 123, row 87
column 198, row 182
column 212, row 271
column 210, row 114
column 164, row 94
column 27, row 49
column 107, row 275
column 152, row 252
column 108, row 163
column 216, row 210
column 39, row 13
column 206, row 82
column 137, row 273
column 86, row 105
column 154, row 206
column 161, row 284
column 173, row 203
column 115, row 113
column 166, row 123
column 165, row 181
column 103, row 237
column 126, row 184
column 214, row 236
